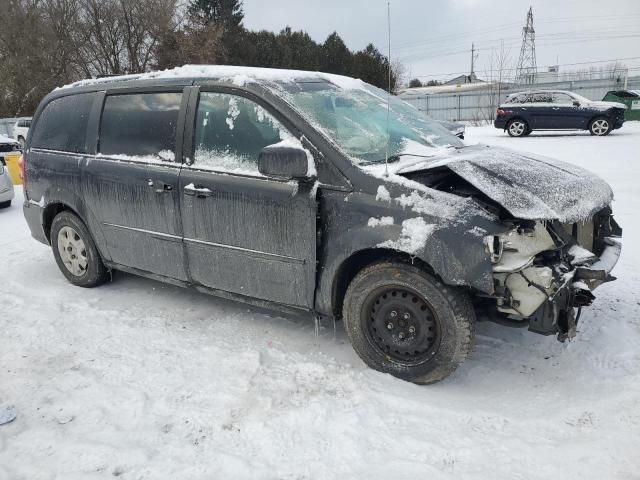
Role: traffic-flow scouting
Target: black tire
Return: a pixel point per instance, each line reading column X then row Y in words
column 518, row 128
column 600, row 126
column 6, row 204
column 528, row 132
column 448, row 317
column 94, row 273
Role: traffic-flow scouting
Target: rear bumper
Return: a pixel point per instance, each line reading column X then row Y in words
column 33, row 214
column 500, row 122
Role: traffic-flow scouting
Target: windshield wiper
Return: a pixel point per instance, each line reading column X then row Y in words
column 393, row 158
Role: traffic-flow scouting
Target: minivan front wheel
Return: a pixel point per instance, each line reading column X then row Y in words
column 518, row 128
column 75, row 252
column 600, row 126
column 405, row 322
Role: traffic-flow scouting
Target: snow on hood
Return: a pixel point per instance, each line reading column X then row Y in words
column 237, row 75
column 530, row 187
column 600, row 105
column 5, row 139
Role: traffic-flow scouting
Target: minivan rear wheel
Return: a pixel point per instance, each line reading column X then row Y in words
column 405, row 322
column 75, row 252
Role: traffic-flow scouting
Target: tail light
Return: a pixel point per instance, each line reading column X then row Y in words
column 22, row 175
column 500, row 112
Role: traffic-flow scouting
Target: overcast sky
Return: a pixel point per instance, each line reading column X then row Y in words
column 433, row 37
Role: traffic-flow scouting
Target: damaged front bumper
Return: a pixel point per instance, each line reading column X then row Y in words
column 557, row 315
column 544, row 278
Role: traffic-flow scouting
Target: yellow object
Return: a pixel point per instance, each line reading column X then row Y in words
column 11, row 159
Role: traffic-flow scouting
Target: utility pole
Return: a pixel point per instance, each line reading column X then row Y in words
column 527, row 69
column 473, row 51
column 474, row 56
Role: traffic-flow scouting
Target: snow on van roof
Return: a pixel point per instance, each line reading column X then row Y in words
column 237, row 75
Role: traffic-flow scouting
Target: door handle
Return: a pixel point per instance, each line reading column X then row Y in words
column 197, row 191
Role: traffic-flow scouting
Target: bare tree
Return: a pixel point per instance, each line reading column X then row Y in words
column 120, row 36
column 497, row 73
column 37, row 51
column 399, row 73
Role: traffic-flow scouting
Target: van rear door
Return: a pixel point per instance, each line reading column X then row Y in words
column 132, row 181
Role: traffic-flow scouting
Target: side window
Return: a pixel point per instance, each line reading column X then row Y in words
column 562, row 99
column 231, row 131
column 140, row 126
column 518, row 99
column 62, row 125
column 541, row 97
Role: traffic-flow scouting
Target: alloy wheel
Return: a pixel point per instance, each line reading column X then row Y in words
column 517, row 128
column 600, row 127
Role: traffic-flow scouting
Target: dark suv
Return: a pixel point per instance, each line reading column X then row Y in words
column 525, row 112
column 294, row 190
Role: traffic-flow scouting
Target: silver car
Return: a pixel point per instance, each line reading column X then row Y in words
column 7, row 146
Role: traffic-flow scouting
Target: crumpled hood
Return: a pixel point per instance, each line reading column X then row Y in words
column 528, row 186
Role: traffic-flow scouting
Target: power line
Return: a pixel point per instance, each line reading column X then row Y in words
column 545, row 67
column 598, row 34
column 546, row 42
column 493, row 29
column 540, row 20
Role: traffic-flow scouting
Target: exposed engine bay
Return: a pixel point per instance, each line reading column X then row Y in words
column 544, row 270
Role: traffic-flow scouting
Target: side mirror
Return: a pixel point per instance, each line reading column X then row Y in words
column 283, row 162
column 576, row 103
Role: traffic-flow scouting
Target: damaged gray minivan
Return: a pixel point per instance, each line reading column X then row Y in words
column 303, row 192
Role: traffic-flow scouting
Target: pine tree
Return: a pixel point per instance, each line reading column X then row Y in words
column 372, row 67
column 225, row 13
column 336, row 57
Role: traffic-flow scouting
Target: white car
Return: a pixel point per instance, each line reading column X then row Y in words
column 8, row 146
column 21, row 129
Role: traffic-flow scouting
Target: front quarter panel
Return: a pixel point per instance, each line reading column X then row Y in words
column 355, row 222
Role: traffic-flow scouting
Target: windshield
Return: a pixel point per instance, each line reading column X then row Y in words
column 356, row 120
column 580, row 98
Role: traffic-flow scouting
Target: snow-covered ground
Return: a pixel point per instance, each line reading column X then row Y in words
column 141, row 380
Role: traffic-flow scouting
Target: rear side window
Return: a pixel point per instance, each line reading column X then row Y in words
column 140, row 126
column 62, row 125
column 517, row 99
column 540, row 97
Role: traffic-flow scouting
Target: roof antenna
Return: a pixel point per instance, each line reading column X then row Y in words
column 386, row 157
